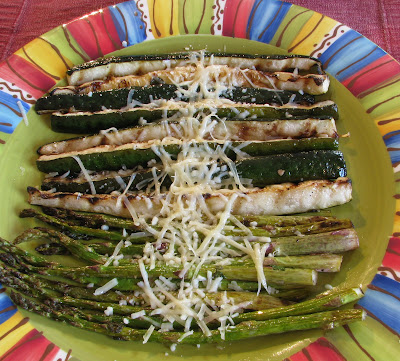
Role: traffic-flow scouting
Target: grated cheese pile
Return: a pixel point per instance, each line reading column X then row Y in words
column 185, row 232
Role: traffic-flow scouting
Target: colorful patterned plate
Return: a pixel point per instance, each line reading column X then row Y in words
column 366, row 86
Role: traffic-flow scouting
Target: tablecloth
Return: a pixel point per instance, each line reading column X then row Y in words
column 23, row 20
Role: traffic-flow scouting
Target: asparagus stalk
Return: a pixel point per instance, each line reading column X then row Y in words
column 96, row 220
column 332, row 242
column 10, row 252
column 301, row 229
column 324, row 302
column 243, row 330
column 288, row 276
column 319, row 262
column 78, row 230
column 265, row 230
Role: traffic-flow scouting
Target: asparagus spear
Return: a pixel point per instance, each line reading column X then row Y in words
column 96, row 220
column 243, row 330
column 289, row 276
column 264, row 230
column 324, row 302
column 319, row 262
column 78, row 230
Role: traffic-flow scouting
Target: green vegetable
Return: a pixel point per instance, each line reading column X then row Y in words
column 118, row 98
column 86, row 122
column 114, row 158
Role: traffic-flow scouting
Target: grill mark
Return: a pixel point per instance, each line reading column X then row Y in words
column 350, row 333
column 202, row 17
column 42, row 69
column 379, row 104
column 327, row 39
column 367, row 92
column 251, row 20
column 312, row 30
column 357, row 61
column 68, row 38
column 117, row 46
column 370, row 314
column 379, row 289
column 23, row 79
column 235, row 18
column 351, row 83
column 387, row 121
column 340, row 49
column 20, row 324
column 16, row 112
column 154, row 19
column 8, row 309
column 47, row 351
column 391, row 271
column 272, row 21
column 124, row 21
column 278, row 43
column 99, row 51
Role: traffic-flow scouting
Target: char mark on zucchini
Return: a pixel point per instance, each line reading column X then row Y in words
column 90, row 122
column 277, row 199
column 186, row 128
column 215, row 76
column 141, row 64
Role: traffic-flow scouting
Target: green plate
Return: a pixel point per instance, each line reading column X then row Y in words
column 372, row 209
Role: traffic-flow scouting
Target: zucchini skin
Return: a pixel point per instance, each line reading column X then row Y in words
column 103, row 186
column 117, row 98
column 177, row 56
column 130, row 158
column 272, row 169
column 94, row 122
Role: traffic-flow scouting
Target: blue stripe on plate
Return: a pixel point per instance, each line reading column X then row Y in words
column 349, row 54
column 387, row 284
column 10, row 113
column 6, row 304
column 383, row 306
column 265, row 18
column 128, row 22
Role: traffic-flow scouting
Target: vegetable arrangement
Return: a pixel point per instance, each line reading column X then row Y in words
column 176, row 215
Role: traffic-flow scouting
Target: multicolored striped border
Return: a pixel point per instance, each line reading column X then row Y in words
column 370, row 74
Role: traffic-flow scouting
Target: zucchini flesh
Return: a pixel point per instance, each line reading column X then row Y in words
column 217, row 74
column 240, row 130
column 118, row 98
column 80, row 123
column 277, row 199
column 115, row 158
column 141, row 64
column 277, row 168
